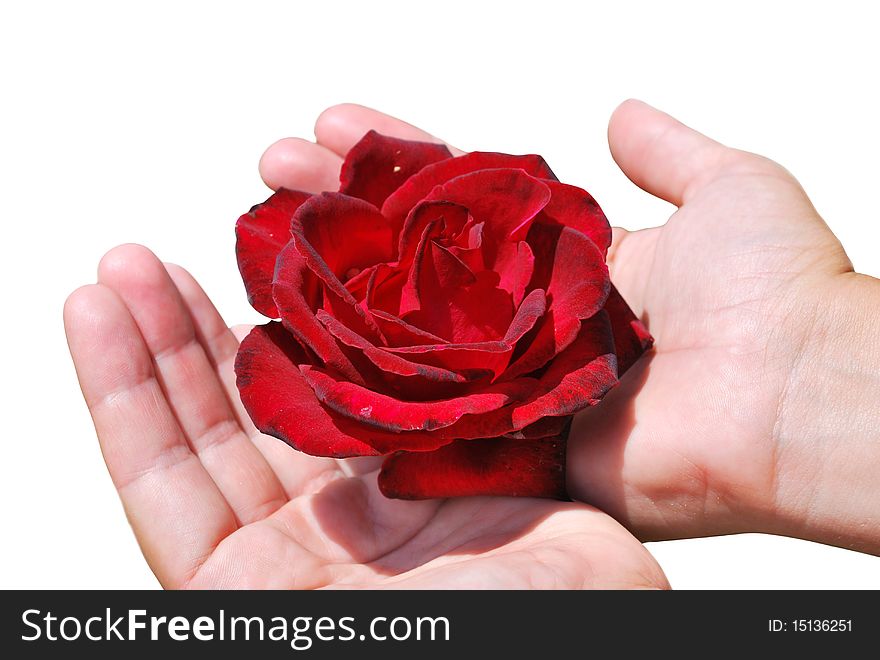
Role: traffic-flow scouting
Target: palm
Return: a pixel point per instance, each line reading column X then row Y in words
column 338, row 531
column 216, row 504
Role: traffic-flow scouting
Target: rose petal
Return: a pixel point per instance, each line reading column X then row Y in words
column 390, row 414
column 377, row 165
column 297, row 294
column 631, row 337
column 398, row 205
column 435, row 276
column 403, row 378
column 358, row 282
column 400, row 333
column 281, row 403
column 410, row 297
column 496, row 466
column 354, row 235
column 574, row 207
column 573, row 271
column 505, row 199
column 515, row 263
column 543, row 428
column 447, row 216
column 490, row 355
column 348, row 234
column 345, row 308
column 578, row 377
column 472, row 258
column 280, row 406
column 458, row 305
column 472, row 314
column 260, row 235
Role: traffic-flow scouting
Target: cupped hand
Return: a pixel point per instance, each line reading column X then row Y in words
column 215, row 504
column 700, row 439
column 701, row 436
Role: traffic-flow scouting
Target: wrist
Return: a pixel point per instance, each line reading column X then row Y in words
column 827, row 435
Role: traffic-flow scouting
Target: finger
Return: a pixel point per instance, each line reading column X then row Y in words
column 191, row 385
column 176, row 510
column 219, row 341
column 295, row 471
column 339, row 127
column 300, row 165
column 660, row 154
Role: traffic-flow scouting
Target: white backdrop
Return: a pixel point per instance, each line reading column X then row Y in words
column 145, row 123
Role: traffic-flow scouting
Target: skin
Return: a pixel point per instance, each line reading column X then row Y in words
column 758, row 409
column 753, row 414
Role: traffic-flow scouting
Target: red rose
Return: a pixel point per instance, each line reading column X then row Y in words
column 451, row 313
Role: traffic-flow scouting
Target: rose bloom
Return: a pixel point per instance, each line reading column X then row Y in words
column 448, row 313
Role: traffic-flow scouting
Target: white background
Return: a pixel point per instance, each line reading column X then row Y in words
column 124, row 123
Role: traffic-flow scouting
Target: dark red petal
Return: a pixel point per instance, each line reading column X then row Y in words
column 281, row 403
column 424, row 214
column 579, row 376
column 260, row 235
column 384, row 288
column 473, row 237
column 515, row 263
column 297, row 294
column 404, row 379
column 417, row 187
column 358, row 282
column 573, row 271
column 496, row 466
column 400, row 333
column 436, row 275
column 451, row 271
column 489, row 355
column 390, row 414
column 574, row 207
column 505, row 199
column 419, row 272
column 352, row 235
column 471, row 257
column 348, row 234
column 530, row 310
column 543, row 428
column 480, row 312
column 338, row 302
column 444, row 297
column 457, row 306
column 377, row 165
column 631, row 337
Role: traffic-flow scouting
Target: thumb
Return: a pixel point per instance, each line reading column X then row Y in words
column 660, row 154
column 674, row 162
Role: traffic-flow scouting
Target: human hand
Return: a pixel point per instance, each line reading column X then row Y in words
column 755, row 310
column 758, row 409
column 215, row 504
